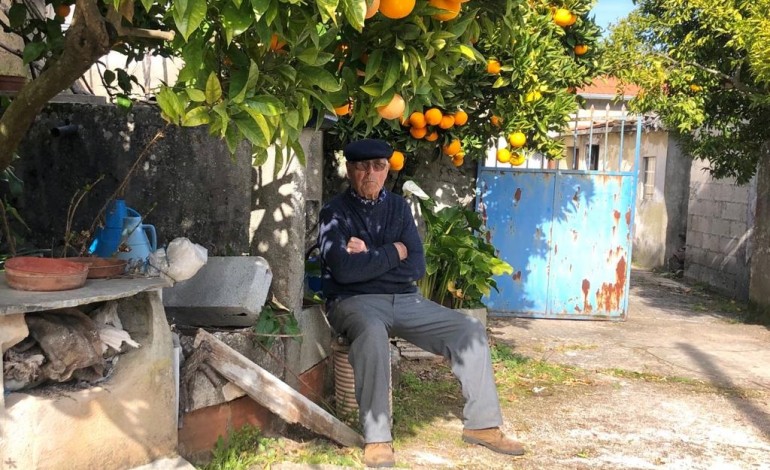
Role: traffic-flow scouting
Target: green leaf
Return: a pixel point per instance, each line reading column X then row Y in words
column 355, row 11
column 147, row 4
column 232, row 139
column 248, row 126
column 124, row 101
column 320, row 78
column 235, row 20
column 213, row 89
column 33, row 51
column 266, row 105
column 371, row 90
column 108, row 76
column 328, row 9
column 196, row 95
column 260, row 7
column 312, row 56
column 391, row 74
column 170, row 104
column 188, row 15
column 300, row 152
column 243, row 81
column 373, row 64
column 196, row 117
column 17, row 15
column 261, row 122
column 221, row 110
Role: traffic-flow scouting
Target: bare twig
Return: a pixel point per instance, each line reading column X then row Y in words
column 122, row 186
column 75, row 201
column 7, row 229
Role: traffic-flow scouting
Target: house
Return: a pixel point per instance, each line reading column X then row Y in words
column 604, row 137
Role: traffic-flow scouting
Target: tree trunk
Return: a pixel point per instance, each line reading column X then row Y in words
column 85, row 42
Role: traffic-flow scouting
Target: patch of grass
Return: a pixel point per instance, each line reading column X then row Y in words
column 648, row 377
column 518, row 375
column 422, row 396
column 247, row 448
column 694, row 385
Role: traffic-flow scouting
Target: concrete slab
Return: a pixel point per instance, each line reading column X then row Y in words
column 227, row 291
column 663, row 335
column 169, row 463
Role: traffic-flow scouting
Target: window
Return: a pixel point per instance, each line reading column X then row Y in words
column 648, row 178
column 592, row 157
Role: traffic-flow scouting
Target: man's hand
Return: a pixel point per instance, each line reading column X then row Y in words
column 402, row 251
column 356, row 245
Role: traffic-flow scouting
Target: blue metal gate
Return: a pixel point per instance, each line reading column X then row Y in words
column 567, row 232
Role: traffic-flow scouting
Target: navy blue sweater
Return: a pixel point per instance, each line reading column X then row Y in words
column 378, row 271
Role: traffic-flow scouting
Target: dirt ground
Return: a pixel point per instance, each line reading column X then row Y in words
column 700, row 400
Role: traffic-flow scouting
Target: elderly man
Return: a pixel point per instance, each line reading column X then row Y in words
column 372, row 256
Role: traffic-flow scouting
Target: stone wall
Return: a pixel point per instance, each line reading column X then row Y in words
column 719, row 232
column 186, row 184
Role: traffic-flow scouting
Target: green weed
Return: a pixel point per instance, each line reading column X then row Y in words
column 248, row 449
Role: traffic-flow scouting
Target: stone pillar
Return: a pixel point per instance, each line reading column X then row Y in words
column 759, row 281
column 278, row 229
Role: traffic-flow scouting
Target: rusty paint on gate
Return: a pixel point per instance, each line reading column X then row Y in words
column 570, row 259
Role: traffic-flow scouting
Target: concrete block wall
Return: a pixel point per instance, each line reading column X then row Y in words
column 719, row 232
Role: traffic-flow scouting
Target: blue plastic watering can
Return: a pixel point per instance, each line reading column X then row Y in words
column 123, row 225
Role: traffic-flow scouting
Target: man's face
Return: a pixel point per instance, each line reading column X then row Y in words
column 368, row 177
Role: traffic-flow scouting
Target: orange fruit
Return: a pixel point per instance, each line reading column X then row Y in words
column 275, row 43
column 342, row 109
column 396, row 9
column 572, row 19
column 461, row 117
column 432, row 137
column 517, row 139
column 503, row 155
column 458, row 159
column 493, row 67
column 417, row 119
column 452, row 8
column 394, row 109
column 452, row 148
column 404, row 121
column 563, row 17
column 418, row 132
column 447, row 121
column 496, row 120
column 396, row 161
column 695, row 88
column 517, row 159
column 580, row 49
column 372, row 9
column 433, row 116
column 63, row 10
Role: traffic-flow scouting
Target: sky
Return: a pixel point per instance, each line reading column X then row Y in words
column 610, row 11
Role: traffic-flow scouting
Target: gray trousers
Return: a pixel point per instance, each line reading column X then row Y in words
column 368, row 321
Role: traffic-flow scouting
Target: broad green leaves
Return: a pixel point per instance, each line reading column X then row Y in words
column 188, row 15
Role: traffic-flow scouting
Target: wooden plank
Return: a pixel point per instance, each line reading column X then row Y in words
column 270, row 392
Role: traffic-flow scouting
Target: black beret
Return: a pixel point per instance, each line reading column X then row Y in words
column 367, row 149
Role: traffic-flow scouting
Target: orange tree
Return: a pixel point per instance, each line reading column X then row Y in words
column 497, row 68
column 259, row 69
column 705, row 69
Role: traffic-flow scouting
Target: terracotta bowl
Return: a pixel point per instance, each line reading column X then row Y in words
column 44, row 274
column 101, row 268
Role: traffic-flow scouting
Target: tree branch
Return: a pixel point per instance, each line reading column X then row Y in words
column 732, row 79
column 85, row 42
